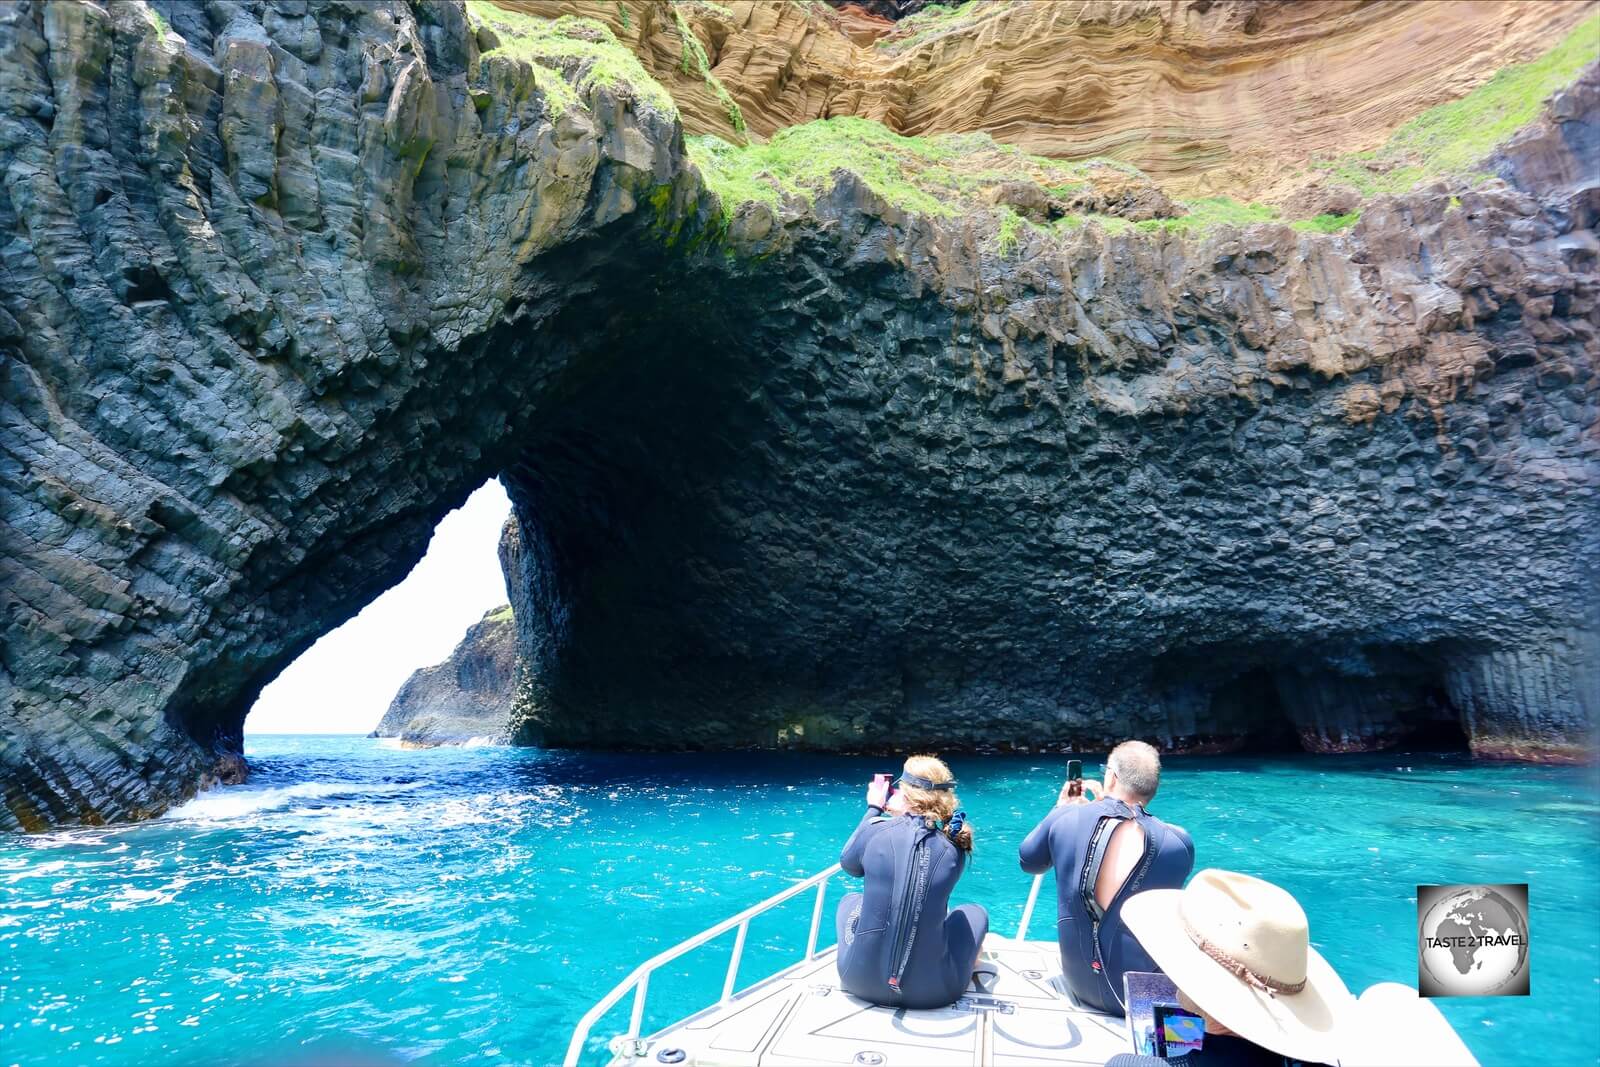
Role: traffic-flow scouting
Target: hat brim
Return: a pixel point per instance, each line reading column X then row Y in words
column 1299, row 1025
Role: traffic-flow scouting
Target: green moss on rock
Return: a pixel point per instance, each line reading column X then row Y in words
column 1452, row 139
column 1010, row 232
column 571, row 52
column 1327, row 223
column 937, row 176
column 1210, row 212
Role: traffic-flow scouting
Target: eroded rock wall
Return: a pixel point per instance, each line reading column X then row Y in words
column 258, row 279
column 1089, row 490
column 466, row 698
column 1219, row 97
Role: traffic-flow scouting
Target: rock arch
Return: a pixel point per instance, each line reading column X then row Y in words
column 838, row 476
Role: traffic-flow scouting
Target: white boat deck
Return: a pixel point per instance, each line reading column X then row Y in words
column 800, row 1016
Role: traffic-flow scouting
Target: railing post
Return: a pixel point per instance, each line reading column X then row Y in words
column 733, row 964
column 639, row 979
column 816, row 920
column 1027, row 910
column 637, row 1021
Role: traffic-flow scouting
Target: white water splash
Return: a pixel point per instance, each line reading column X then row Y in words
column 238, row 801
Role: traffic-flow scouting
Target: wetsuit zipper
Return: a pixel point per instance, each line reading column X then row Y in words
column 1094, row 926
column 911, row 910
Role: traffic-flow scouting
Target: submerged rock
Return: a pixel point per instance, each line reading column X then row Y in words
column 467, row 698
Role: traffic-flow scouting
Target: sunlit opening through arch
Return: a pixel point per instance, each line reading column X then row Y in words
column 344, row 682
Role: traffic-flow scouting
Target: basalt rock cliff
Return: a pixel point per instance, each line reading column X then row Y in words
column 835, row 462
column 466, row 698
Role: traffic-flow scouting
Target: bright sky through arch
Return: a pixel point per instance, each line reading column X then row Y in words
column 343, row 683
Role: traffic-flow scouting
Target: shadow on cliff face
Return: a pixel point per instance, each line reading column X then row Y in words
column 781, row 506
column 1276, row 699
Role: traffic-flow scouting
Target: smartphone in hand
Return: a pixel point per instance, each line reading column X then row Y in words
column 1074, row 777
column 878, row 791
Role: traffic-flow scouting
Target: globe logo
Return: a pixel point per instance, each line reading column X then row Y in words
column 1472, row 940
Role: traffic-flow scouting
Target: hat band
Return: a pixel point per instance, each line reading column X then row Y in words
column 1265, row 983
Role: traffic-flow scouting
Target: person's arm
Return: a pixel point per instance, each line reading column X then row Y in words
column 856, row 847
column 1035, row 851
column 1188, row 844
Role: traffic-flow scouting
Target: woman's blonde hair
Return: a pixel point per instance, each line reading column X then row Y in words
column 939, row 803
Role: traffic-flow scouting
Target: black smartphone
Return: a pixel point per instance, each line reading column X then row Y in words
column 1177, row 1031
column 1074, row 770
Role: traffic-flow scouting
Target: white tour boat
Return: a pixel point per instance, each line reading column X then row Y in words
column 1020, row 1015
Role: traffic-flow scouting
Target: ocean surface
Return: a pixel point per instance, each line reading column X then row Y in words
column 362, row 903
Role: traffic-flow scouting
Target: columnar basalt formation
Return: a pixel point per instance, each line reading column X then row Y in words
column 466, row 698
column 279, row 286
column 270, row 283
column 1087, row 491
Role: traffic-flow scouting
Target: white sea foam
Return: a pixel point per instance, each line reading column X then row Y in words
column 237, row 801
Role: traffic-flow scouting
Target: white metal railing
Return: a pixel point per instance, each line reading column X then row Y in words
column 1027, row 909
column 639, row 980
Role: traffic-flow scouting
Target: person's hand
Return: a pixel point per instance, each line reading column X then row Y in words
column 1086, row 792
column 878, row 792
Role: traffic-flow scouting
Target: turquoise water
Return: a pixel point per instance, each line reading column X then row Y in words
column 359, row 902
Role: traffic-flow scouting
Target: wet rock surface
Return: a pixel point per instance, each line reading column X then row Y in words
column 467, row 698
column 279, row 287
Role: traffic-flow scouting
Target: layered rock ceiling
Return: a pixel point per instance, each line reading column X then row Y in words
column 843, row 440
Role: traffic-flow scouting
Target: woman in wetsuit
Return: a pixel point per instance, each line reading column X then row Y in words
column 897, row 944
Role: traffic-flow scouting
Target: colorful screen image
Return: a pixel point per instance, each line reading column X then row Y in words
column 1143, row 992
column 1179, row 1031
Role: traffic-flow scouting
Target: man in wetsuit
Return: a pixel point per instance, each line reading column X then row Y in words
column 1104, row 850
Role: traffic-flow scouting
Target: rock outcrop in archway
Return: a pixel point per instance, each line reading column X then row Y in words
column 277, row 289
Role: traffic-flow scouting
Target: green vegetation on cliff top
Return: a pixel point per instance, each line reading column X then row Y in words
column 581, row 49
column 1451, row 139
column 944, row 175
column 939, row 176
column 922, row 175
column 499, row 615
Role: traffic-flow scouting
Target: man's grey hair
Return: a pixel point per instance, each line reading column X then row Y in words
column 1137, row 766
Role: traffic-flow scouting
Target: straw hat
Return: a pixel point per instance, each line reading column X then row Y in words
column 1240, row 949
